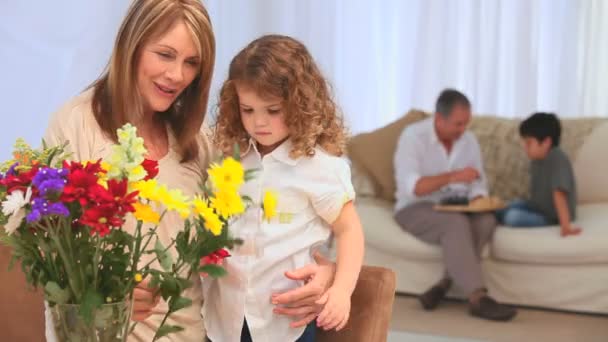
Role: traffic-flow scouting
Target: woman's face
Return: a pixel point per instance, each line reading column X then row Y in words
column 167, row 65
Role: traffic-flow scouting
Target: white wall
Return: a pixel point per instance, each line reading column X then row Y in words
column 49, row 51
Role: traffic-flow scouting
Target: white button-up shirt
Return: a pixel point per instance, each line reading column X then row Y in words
column 311, row 192
column 420, row 153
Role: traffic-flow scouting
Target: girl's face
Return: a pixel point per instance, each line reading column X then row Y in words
column 167, row 65
column 263, row 118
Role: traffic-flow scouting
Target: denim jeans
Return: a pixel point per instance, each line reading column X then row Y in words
column 519, row 214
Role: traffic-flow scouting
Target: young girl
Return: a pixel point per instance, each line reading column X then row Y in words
column 277, row 107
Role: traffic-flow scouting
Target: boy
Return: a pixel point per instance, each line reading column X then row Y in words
column 552, row 186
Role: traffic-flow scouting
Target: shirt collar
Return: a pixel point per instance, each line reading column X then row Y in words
column 435, row 137
column 281, row 153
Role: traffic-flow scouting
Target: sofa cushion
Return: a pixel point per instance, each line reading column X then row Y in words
column 504, row 160
column 532, row 245
column 373, row 153
column 382, row 232
column 546, row 246
column 591, row 180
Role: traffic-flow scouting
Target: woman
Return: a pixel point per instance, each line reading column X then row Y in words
column 158, row 79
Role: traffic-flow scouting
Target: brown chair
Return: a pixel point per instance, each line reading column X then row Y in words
column 21, row 308
column 372, row 307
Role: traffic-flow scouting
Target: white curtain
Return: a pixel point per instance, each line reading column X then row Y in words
column 511, row 57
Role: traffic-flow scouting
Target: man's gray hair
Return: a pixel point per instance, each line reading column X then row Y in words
column 448, row 99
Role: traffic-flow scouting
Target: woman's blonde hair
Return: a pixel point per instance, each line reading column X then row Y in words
column 280, row 66
column 116, row 98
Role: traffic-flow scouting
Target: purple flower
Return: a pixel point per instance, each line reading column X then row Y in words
column 11, row 170
column 33, row 216
column 57, row 208
column 42, row 207
column 50, row 181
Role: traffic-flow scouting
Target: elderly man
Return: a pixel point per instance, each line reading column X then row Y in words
column 436, row 159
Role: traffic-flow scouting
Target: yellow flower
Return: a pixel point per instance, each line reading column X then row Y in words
column 230, row 174
column 137, row 173
column 145, row 213
column 105, row 165
column 148, row 189
column 175, row 200
column 103, row 182
column 212, row 221
column 138, row 278
column 270, row 204
column 227, row 202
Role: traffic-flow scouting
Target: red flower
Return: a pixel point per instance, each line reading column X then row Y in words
column 92, row 168
column 80, row 186
column 122, row 200
column 215, row 258
column 101, row 218
column 151, row 167
column 20, row 181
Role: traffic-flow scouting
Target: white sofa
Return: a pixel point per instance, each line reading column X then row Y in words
column 530, row 267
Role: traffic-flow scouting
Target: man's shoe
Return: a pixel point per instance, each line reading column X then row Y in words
column 431, row 298
column 488, row 308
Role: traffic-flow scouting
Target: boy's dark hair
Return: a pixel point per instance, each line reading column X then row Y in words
column 448, row 99
column 541, row 126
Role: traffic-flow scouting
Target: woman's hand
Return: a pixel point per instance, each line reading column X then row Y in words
column 300, row 303
column 145, row 299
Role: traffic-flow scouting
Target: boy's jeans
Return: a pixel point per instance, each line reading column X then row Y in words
column 519, row 214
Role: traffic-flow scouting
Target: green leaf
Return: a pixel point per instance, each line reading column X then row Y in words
column 90, row 301
column 179, row 303
column 214, row 271
column 56, row 294
column 250, row 174
column 169, row 286
column 237, row 152
column 164, row 257
column 165, row 330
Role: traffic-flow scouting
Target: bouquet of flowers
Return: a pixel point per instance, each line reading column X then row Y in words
column 68, row 225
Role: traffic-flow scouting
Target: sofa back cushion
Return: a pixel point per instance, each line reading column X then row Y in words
column 372, row 153
column 591, row 167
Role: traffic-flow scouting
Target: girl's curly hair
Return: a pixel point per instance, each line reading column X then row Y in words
column 280, row 66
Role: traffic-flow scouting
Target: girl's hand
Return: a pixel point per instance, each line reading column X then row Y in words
column 336, row 310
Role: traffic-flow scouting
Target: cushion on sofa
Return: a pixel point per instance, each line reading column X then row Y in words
column 505, row 162
column 546, row 246
column 591, row 168
column 373, row 153
column 382, row 232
